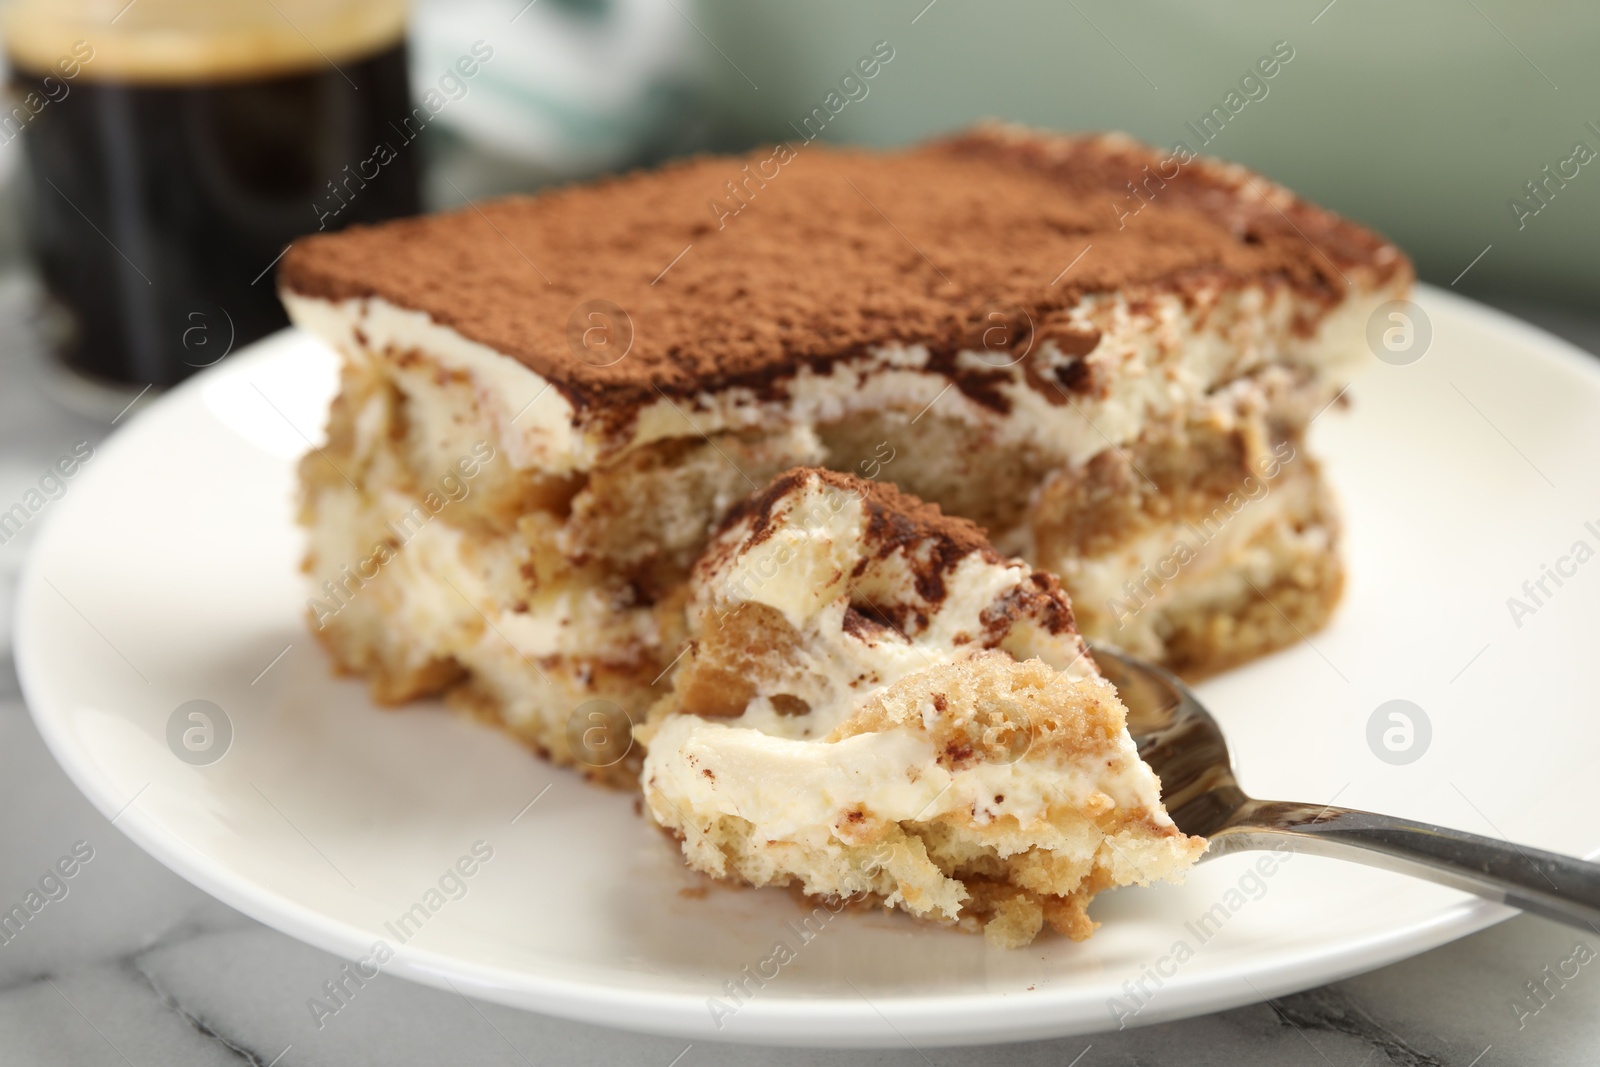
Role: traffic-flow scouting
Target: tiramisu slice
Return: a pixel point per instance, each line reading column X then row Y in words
column 874, row 703
column 1118, row 395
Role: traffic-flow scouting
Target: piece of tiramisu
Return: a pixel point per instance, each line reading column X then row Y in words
column 875, row 704
column 1118, row 396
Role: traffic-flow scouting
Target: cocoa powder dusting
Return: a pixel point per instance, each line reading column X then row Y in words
column 841, row 251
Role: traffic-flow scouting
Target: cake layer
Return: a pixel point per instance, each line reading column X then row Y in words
column 451, row 610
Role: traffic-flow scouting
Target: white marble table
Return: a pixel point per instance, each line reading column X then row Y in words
column 135, row 966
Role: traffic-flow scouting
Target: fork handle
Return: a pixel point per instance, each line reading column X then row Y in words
column 1554, row 886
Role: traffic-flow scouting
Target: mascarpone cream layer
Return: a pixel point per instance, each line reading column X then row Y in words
column 1156, row 356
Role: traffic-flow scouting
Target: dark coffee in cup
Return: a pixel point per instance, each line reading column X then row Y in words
column 175, row 152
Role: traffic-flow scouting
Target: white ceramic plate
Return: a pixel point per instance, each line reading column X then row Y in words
column 167, row 574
